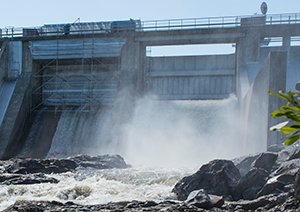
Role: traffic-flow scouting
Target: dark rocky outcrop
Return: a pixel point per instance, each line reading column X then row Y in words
column 250, row 184
column 218, row 177
column 31, row 171
column 268, row 181
column 201, row 199
column 54, row 165
column 100, row 162
column 265, row 161
column 244, row 164
column 18, row 179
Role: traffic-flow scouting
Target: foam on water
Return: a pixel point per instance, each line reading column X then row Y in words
column 89, row 186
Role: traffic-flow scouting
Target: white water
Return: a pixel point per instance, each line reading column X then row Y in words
column 163, row 140
column 99, row 186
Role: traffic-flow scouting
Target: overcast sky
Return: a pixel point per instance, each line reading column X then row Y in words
column 26, row 13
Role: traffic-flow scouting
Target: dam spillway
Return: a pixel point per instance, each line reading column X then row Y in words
column 93, row 64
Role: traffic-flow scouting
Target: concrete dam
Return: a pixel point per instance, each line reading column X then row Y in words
column 63, row 86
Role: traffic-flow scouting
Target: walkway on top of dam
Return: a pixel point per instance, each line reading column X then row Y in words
column 225, row 29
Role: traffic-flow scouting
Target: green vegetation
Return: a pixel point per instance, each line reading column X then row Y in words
column 291, row 111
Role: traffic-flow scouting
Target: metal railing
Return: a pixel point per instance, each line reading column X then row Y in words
column 152, row 25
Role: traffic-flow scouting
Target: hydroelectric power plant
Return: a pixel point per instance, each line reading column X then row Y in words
column 91, row 88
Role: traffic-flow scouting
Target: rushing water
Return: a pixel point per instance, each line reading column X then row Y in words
column 100, row 186
column 162, row 140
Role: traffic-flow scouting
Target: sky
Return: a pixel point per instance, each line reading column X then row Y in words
column 34, row 13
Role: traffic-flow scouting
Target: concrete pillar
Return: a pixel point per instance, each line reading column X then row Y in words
column 17, row 111
column 278, row 68
column 14, row 59
column 132, row 63
column 248, row 47
column 286, row 45
column 3, row 62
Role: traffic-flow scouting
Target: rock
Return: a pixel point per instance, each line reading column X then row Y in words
column 217, row 201
column 263, row 203
column 286, row 153
column 265, row 161
column 19, row 179
column 297, row 186
column 100, row 162
column 270, row 187
column 275, row 148
column 287, row 168
column 295, row 155
column 52, row 165
column 218, row 177
column 244, row 164
column 47, row 166
column 251, row 184
column 200, row 199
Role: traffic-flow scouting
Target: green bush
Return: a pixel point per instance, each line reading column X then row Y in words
column 291, row 111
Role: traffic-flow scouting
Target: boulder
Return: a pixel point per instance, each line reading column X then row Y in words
column 218, row 177
column 297, row 186
column 19, row 179
column 53, row 165
column 200, row 199
column 244, row 164
column 47, row 166
column 251, row 184
column 271, row 187
column 294, row 155
column 263, row 203
column 287, row 168
column 265, row 161
column 100, row 162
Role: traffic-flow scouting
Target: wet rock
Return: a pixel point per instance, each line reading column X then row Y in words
column 218, row 177
column 201, row 199
column 19, row 179
column 251, row 184
column 47, row 166
column 275, row 148
column 297, row 186
column 265, row 161
column 294, row 155
column 287, row 168
column 263, row 203
column 286, row 153
column 273, row 186
column 244, row 164
column 100, row 162
column 52, row 165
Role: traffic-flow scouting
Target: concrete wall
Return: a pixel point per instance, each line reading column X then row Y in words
column 18, row 109
column 3, row 62
column 191, row 77
column 14, row 68
column 257, row 105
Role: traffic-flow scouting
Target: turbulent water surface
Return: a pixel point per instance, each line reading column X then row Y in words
column 162, row 140
column 90, row 186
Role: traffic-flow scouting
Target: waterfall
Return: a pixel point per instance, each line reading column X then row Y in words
column 168, row 133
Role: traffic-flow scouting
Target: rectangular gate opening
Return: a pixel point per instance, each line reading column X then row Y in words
column 190, row 50
column 190, row 72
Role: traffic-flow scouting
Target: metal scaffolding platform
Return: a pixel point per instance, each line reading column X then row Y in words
column 76, row 72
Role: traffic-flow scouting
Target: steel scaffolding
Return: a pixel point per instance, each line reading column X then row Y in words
column 76, row 73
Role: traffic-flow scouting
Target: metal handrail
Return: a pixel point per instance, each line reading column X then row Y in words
column 157, row 25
